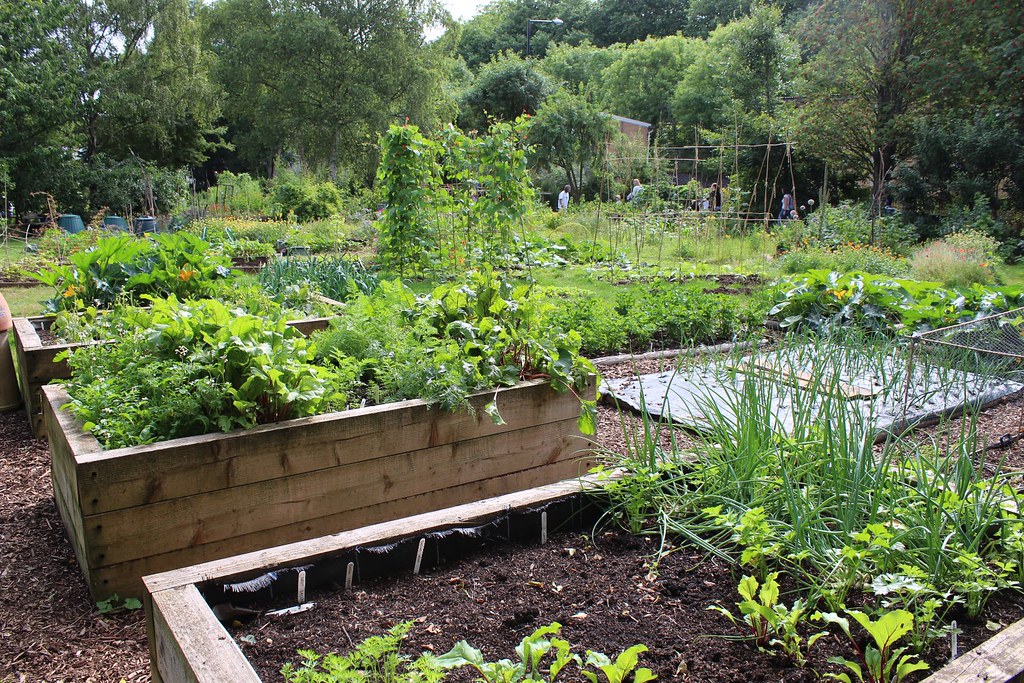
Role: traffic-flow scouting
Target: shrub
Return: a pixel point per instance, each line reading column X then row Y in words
column 664, row 315
column 305, row 198
column 824, row 300
column 952, row 265
column 849, row 223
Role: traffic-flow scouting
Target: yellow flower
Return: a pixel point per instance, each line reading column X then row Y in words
column 186, row 273
column 69, row 292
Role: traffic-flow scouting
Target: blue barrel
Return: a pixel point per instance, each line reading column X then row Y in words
column 145, row 224
column 71, row 223
column 115, row 223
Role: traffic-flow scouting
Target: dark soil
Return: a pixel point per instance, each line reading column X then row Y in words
column 51, row 631
column 603, row 591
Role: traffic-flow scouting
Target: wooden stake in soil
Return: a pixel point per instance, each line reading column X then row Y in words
column 419, row 556
column 301, row 598
column 544, row 527
column 349, row 570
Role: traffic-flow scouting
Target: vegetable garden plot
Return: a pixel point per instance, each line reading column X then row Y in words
column 189, row 642
column 885, row 389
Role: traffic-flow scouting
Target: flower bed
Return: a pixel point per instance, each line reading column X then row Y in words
column 38, row 364
column 144, row 509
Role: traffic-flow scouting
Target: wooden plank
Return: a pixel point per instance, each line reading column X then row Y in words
column 1000, row 659
column 126, row 578
column 128, row 477
column 805, row 380
column 190, row 645
column 123, row 535
column 310, row 325
column 64, row 479
column 257, row 562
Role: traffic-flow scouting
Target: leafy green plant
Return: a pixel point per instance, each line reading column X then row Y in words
column 377, row 659
column 531, row 653
column 618, row 671
column 880, row 661
column 407, row 173
column 179, row 264
column 458, row 339
column 771, row 623
column 248, row 249
column 752, row 533
column 826, row 300
column 191, row 368
column 541, row 656
column 340, row 278
column 115, row 604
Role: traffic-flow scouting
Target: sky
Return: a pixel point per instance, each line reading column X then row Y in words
column 463, row 9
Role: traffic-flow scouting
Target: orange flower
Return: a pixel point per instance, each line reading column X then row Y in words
column 69, row 292
column 186, row 273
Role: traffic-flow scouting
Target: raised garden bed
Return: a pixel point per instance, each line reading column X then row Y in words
column 145, row 509
column 188, row 642
column 38, row 365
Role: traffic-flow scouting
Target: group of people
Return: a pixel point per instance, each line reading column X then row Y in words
column 712, row 202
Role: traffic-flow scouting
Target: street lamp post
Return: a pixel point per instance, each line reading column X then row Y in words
column 529, row 26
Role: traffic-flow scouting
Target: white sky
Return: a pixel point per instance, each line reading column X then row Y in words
column 463, row 9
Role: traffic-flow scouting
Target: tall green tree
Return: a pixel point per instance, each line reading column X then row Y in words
column 501, row 27
column 570, row 132
column 325, row 78
column 626, row 21
column 574, row 65
column 507, row 87
column 639, row 84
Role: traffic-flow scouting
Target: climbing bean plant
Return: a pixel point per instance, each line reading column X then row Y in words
column 452, row 201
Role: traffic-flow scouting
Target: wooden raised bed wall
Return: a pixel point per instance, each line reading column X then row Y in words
column 145, row 509
column 187, row 643
column 38, row 366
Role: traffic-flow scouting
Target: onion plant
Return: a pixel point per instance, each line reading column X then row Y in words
column 792, row 473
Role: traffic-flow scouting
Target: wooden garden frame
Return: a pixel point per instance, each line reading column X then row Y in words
column 188, row 644
column 135, row 511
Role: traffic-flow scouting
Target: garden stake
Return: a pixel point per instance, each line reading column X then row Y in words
column 544, row 527
column 348, row 575
column 419, row 557
column 952, row 640
column 301, row 597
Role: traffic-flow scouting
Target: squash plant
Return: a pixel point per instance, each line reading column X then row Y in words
column 123, row 266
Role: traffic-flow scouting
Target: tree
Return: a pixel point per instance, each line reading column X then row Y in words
column 640, row 82
column 627, row 21
column 507, row 87
column 875, row 68
column 38, row 74
column 325, row 78
column 574, row 65
column 501, row 28
column 570, row 132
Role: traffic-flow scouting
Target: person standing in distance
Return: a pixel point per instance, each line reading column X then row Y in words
column 715, row 197
column 635, row 192
column 787, row 206
column 563, row 199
